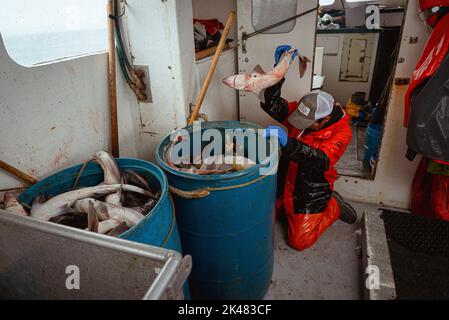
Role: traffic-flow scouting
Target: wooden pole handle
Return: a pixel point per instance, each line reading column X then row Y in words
column 112, row 81
column 20, row 174
column 213, row 66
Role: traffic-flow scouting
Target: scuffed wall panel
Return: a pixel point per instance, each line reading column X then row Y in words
column 220, row 102
column 51, row 116
column 57, row 115
column 161, row 37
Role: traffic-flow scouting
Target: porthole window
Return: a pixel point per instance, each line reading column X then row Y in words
column 36, row 32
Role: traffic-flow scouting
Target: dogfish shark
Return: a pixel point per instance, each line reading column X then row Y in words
column 259, row 80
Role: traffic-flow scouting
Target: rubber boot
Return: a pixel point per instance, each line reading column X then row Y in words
column 347, row 212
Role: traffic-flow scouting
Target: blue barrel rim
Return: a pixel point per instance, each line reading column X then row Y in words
column 161, row 178
column 213, row 177
column 164, row 194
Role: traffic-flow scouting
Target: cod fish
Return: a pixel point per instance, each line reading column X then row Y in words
column 105, row 211
column 112, row 174
column 61, row 203
column 11, row 204
column 259, row 80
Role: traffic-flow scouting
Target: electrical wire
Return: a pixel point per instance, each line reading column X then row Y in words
column 133, row 77
column 119, row 36
column 125, row 64
column 122, row 65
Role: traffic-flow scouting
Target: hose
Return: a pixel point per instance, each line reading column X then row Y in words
column 132, row 77
column 119, row 39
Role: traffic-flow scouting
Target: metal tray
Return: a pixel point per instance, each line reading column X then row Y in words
column 42, row 260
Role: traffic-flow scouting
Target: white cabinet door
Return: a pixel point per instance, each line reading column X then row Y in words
column 260, row 49
column 356, row 57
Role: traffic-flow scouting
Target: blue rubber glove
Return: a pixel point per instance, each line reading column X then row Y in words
column 276, row 132
column 280, row 50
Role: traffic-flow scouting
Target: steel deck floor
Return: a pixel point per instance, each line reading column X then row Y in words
column 331, row 269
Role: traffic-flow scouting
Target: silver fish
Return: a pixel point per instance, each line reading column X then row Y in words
column 107, row 226
column 92, row 219
column 94, row 225
column 112, row 174
column 118, row 230
column 105, row 211
column 137, row 179
column 61, row 203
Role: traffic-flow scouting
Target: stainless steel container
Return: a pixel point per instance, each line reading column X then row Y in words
column 41, row 260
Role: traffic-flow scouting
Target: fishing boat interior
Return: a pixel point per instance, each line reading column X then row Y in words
column 139, row 78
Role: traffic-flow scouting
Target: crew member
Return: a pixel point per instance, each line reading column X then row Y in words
column 317, row 135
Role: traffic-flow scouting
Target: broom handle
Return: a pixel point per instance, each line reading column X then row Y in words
column 213, row 66
column 20, row 174
column 112, row 81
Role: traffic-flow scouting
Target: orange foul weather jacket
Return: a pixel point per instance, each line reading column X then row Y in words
column 306, row 173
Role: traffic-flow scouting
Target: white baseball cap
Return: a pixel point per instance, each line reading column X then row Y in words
column 313, row 106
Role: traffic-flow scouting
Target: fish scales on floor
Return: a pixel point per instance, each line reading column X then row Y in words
column 120, row 202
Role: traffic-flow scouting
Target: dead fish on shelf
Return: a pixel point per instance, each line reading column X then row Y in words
column 259, row 80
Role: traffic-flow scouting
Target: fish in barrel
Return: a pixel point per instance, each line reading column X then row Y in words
column 206, row 163
column 112, row 207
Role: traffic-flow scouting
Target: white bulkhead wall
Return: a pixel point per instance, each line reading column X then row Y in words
column 160, row 34
column 220, row 102
column 57, row 115
column 394, row 175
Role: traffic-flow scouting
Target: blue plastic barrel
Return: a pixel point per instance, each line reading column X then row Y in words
column 373, row 135
column 158, row 228
column 228, row 230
